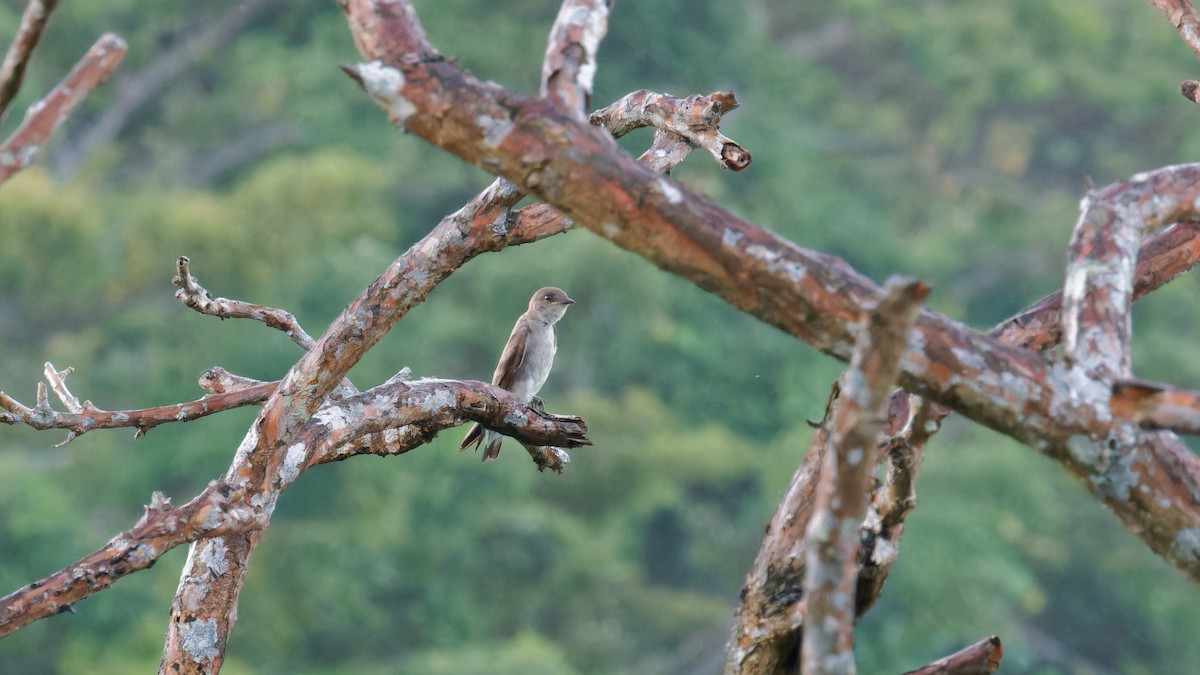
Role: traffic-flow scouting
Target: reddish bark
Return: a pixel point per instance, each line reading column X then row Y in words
column 978, row 659
column 813, row 296
column 44, row 116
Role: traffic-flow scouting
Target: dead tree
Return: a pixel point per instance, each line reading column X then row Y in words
column 1082, row 408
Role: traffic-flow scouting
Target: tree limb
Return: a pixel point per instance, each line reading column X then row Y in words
column 982, row 657
column 813, row 296
column 1157, row 406
column 224, row 511
column 570, row 63
column 841, row 493
column 29, row 32
column 43, row 117
column 694, row 118
column 769, row 617
column 270, row 448
column 192, row 294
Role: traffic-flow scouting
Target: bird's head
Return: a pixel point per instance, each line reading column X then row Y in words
column 549, row 304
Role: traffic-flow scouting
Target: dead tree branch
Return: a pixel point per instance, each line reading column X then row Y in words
column 813, row 296
column 43, row 117
column 845, row 478
column 192, row 294
column 270, row 447
column 570, row 63
column 1157, row 406
column 694, row 118
column 419, row 409
column 29, row 33
column 218, row 509
column 770, row 615
column 1186, row 20
column 88, row 417
column 980, row 658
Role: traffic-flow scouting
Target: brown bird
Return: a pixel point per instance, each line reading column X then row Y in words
column 526, row 360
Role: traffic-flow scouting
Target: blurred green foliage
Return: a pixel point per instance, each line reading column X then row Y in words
column 947, row 140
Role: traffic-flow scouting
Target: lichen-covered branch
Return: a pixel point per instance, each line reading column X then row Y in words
column 223, row 513
column 813, row 296
column 88, row 417
column 841, row 494
column 43, row 117
column 270, row 447
column 1157, row 406
column 1182, row 14
column 218, row 509
column 695, row 118
column 570, row 64
column 1097, row 294
column 769, row 616
column 1162, row 258
column 29, row 32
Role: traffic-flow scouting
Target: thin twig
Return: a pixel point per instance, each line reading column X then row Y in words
column 192, row 294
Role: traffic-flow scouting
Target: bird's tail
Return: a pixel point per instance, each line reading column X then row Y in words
column 492, row 450
column 491, row 442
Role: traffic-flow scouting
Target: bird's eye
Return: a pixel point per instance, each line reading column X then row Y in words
column 548, row 297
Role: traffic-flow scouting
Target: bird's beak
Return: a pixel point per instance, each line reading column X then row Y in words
column 568, row 301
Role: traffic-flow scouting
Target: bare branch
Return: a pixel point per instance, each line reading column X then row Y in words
column 841, row 493
column 1162, row 258
column 43, row 117
column 217, row 380
column 570, row 63
column 982, row 657
column 29, row 32
column 811, row 295
column 1186, row 20
column 58, row 383
column 892, row 501
column 417, row 411
column 401, row 413
column 1157, row 406
column 89, row 417
column 218, row 509
column 769, row 617
column 695, row 118
column 192, row 294
column 1098, row 290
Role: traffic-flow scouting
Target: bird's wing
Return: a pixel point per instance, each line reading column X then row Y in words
column 512, row 357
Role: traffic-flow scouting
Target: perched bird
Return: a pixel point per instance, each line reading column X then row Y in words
column 526, row 360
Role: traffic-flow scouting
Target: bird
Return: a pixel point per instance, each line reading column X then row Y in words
column 526, row 360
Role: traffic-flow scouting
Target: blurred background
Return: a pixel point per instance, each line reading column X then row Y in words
column 951, row 141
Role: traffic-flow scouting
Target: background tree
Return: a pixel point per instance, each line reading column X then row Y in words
column 661, row 524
